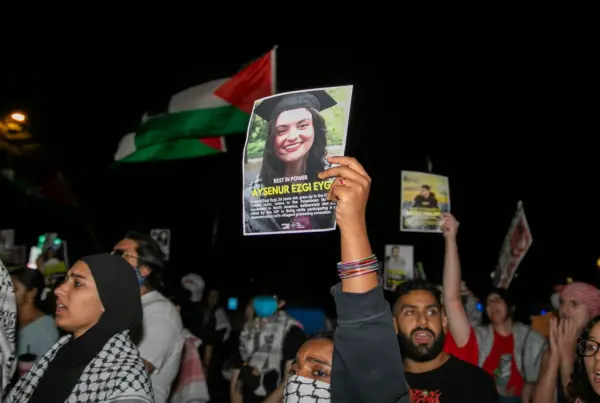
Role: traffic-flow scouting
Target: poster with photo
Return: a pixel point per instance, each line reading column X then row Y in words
column 516, row 243
column 424, row 197
column 398, row 265
column 289, row 138
column 163, row 239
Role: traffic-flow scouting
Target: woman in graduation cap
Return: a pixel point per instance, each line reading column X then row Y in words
column 99, row 305
column 296, row 146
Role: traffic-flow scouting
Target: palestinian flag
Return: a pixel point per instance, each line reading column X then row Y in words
column 198, row 117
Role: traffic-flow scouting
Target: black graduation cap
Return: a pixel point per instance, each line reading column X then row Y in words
column 272, row 107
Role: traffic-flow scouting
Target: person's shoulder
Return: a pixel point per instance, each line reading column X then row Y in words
column 131, row 381
column 161, row 310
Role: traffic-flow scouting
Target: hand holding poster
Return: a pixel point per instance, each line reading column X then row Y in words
column 424, row 197
column 289, row 137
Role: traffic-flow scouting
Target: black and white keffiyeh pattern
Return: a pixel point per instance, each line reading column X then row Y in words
column 8, row 328
column 304, row 390
column 116, row 374
column 261, row 345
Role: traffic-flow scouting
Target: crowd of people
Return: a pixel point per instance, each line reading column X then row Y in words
column 114, row 336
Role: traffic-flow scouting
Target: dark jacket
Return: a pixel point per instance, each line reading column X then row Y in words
column 367, row 364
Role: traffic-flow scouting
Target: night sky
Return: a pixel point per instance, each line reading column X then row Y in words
column 503, row 109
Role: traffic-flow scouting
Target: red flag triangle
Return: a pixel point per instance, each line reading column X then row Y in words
column 251, row 83
column 217, row 143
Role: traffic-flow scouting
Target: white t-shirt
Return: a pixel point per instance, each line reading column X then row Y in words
column 162, row 342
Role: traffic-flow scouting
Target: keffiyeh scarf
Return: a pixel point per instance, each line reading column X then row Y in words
column 8, row 328
column 261, row 345
column 304, row 390
column 117, row 373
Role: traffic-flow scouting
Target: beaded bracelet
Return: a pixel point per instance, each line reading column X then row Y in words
column 358, row 272
column 358, row 268
column 358, row 263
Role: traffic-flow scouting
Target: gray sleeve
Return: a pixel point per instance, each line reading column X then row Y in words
column 534, row 351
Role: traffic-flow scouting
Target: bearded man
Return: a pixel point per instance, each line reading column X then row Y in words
column 433, row 375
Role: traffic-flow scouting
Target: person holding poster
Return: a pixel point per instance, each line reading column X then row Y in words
column 289, row 138
column 425, row 197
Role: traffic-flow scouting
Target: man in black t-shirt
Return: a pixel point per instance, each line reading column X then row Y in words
column 432, row 375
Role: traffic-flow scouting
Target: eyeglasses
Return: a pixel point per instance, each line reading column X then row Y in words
column 588, row 348
column 123, row 254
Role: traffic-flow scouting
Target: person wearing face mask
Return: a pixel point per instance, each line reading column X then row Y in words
column 268, row 344
column 99, row 306
column 363, row 364
column 162, row 344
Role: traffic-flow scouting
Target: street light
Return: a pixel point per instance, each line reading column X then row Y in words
column 19, row 117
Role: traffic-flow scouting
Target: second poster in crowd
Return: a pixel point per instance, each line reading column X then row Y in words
column 516, row 243
column 398, row 265
column 425, row 197
column 289, row 138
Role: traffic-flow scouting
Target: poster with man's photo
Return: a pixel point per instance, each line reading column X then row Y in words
column 424, row 198
column 163, row 239
column 289, row 138
column 398, row 265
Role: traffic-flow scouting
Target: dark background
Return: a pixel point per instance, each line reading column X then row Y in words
column 505, row 106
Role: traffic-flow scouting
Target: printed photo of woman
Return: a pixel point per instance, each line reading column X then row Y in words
column 288, row 142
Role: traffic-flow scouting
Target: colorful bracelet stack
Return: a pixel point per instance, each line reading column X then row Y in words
column 358, row 268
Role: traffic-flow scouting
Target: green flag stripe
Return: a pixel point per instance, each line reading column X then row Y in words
column 192, row 124
column 178, row 149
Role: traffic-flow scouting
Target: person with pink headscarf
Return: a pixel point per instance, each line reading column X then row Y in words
column 579, row 302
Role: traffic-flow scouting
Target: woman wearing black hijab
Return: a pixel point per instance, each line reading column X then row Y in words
column 99, row 304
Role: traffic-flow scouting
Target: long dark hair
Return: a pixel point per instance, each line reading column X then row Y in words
column 580, row 386
column 273, row 167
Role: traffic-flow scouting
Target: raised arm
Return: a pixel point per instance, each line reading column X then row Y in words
column 367, row 365
column 458, row 322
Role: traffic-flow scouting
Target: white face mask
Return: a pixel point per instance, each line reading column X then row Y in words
column 304, row 390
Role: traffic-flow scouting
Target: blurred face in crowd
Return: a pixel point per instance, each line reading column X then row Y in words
column 314, row 359
column 573, row 309
column 21, row 295
column 496, row 309
column 421, row 325
column 128, row 247
column 78, row 305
